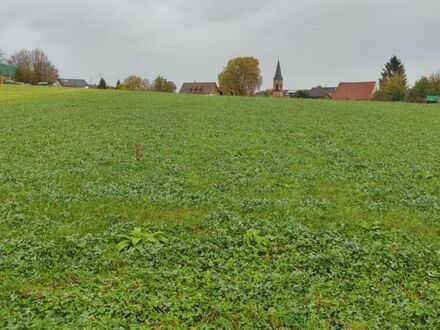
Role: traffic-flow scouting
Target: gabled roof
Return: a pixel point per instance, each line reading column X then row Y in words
column 278, row 75
column 205, row 88
column 7, row 70
column 319, row 91
column 329, row 95
column 357, row 91
column 72, row 82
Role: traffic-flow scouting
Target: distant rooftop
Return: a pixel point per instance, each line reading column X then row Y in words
column 72, row 82
column 204, row 88
column 358, row 91
column 319, row 91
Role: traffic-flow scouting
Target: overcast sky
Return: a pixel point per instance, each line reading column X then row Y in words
column 318, row 41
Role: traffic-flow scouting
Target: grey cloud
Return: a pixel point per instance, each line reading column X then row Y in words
column 318, row 41
column 224, row 11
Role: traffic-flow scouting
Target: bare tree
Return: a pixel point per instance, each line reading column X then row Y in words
column 34, row 66
column 22, row 60
column 3, row 58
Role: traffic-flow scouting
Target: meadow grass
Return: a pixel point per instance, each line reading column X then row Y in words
column 272, row 213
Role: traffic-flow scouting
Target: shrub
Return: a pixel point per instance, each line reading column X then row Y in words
column 301, row 94
column 423, row 87
column 395, row 88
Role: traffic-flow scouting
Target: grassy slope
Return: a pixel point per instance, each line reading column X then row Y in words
column 344, row 199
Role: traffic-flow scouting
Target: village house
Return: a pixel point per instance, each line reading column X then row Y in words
column 77, row 83
column 355, row 91
column 320, row 92
column 200, row 88
column 7, row 73
column 329, row 96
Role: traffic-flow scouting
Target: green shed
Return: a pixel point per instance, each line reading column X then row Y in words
column 7, row 72
column 432, row 99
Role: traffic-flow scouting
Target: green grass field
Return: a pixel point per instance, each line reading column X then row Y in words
column 253, row 213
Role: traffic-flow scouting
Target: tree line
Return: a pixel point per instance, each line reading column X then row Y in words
column 240, row 77
column 34, row 66
column 394, row 87
column 393, row 84
column 135, row 83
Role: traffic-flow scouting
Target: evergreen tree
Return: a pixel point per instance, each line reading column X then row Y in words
column 102, row 84
column 118, row 83
column 394, row 67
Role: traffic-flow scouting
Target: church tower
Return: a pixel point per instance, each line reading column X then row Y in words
column 278, row 82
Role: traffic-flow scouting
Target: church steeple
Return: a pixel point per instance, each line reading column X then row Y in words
column 278, row 75
column 278, row 82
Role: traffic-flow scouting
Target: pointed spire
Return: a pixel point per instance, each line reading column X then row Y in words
column 278, row 75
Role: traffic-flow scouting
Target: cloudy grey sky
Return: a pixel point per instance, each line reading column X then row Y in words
column 318, row 41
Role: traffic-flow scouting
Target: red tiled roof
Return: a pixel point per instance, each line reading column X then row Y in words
column 357, row 91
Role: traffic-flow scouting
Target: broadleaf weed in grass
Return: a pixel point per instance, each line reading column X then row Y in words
column 138, row 239
column 257, row 242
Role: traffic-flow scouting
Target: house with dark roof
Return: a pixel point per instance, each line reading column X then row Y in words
column 320, row 92
column 200, row 88
column 77, row 83
column 356, row 91
column 7, row 73
column 329, row 96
